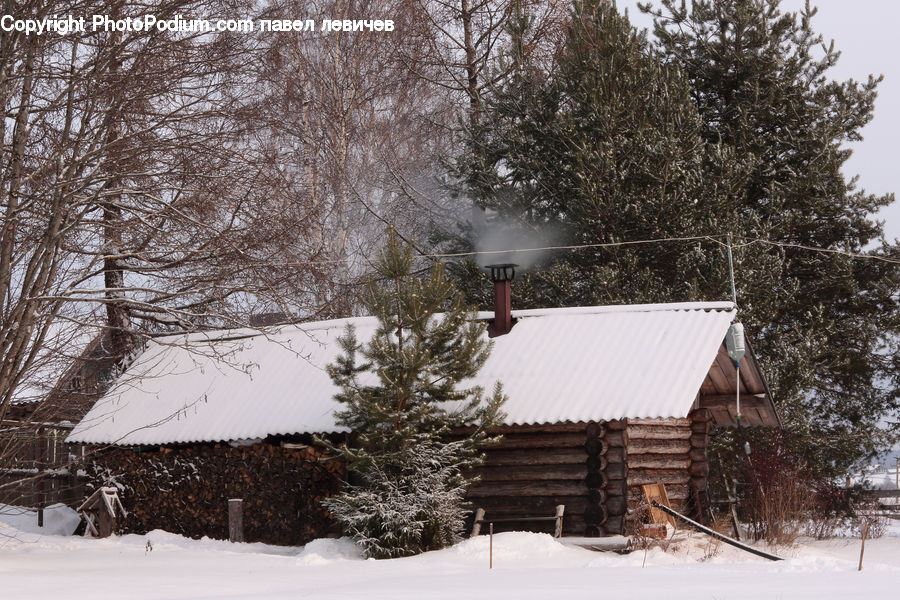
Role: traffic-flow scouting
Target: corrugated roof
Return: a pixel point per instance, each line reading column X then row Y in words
column 570, row 364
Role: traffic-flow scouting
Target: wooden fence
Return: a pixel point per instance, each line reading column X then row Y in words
column 37, row 467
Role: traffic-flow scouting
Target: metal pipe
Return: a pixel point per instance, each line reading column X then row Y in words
column 715, row 534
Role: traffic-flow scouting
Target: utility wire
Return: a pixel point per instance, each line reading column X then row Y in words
column 717, row 239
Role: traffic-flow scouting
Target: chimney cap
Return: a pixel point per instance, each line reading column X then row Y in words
column 502, row 271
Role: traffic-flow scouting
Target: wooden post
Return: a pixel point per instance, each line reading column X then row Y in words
column 236, row 520
column 732, row 501
column 476, row 526
column 862, row 549
column 560, row 509
column 41, row 482
column 491, row 547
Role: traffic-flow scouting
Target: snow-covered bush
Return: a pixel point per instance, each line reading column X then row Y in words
column 407, row 504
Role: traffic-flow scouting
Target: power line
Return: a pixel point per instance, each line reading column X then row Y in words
column 576, row 246
column 716, row 239
column 825, row 250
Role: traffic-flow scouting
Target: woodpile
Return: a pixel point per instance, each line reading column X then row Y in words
column 186, row 489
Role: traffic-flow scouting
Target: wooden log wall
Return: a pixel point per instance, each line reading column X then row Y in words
column 595, row 448
column 672, row 452
column 186, row 489
column 535, row 468
column 616, row 470
column 701, row 423
column 659, row 451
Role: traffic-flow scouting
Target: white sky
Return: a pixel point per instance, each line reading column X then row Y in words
column 864, row 31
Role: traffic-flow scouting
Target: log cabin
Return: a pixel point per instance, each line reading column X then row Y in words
column 601, row 400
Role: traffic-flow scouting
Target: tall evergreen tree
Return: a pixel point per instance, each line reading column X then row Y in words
column 826, row 324
column 602, row 147
column 402, row 393
column 728, row 127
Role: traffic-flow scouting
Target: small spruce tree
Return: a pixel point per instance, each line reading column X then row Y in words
column 402, row 393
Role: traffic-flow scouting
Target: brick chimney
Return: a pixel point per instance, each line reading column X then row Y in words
column 502, row 275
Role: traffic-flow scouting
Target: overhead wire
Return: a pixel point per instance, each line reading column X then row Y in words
column 717, row 239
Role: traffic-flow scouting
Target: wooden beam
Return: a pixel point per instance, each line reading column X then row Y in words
column 546, row 456
column 728, row 369
column 717, row 376
column 657, row 432
column 527, row 488
column 575, row 472
column 755, row 411
column 666, row 422
column 751, row 375
column 566, row 426
column 724, row 400
column 654, row 446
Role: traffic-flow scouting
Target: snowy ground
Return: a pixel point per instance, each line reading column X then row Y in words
column 526, row 566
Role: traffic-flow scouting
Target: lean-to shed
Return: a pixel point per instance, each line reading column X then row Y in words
column 601, row 400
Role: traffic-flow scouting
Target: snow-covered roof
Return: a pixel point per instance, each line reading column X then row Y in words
column 567, row 364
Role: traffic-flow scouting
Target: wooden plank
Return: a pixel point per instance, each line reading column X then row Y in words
column 654, row 446
column 616, row 471
column 657, row 461
column 563, row 427
column 504, row 506
column 708, row 387
column 615, row 439
column 678, row 494
column 515, row 489
column 732, row 412
column 726, row 399
column 500, row 457
column 518, row 440
column 730, row 375
column 532, row 472
column 614, row 455
column 751, row 375
column 236, row 520
column 658, row 432
column 667, row 422
column 666, row 476
column 721, row 418
column 657, row 492
column 717, row 376
column 751, row 417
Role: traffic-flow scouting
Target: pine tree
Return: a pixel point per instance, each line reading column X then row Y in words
column 727, row 126
column 402, row 394
column 826, row 325
column 603, row 146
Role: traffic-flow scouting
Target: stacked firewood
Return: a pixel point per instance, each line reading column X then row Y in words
column 186, row 489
